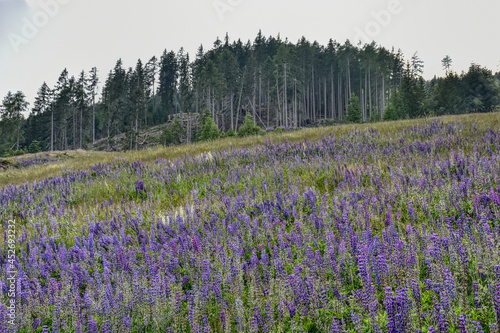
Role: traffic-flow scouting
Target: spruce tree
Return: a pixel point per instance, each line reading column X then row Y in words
column 209, row 129
column 249, row 127
column 354, row 109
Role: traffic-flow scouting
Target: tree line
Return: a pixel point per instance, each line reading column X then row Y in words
column 270, row 83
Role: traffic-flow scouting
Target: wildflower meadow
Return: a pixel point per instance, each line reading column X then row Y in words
column 394, row 231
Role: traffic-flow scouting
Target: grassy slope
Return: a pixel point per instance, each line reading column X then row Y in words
column 76, row 160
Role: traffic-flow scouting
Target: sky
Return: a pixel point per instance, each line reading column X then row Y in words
column 39, row 38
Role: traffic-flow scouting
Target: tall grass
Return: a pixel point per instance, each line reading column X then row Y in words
column 78, row 161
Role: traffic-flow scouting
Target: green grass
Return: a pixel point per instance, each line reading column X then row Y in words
column 76, row 160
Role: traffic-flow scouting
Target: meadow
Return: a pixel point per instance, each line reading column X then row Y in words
column 390, row 227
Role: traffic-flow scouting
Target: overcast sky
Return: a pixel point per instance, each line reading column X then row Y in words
column 39, row 38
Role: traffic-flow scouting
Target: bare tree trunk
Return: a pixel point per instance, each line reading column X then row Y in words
column 365, row 116
column 268, row 103
column 325, row 98
column 285, row 101
column 81, row 128
column 93, row 122
column 109, row 125
column 332, row 95
column 278, row 108
column 52, row 129
column 377, row 99
column 320, row 102
column 239, row 101
column 73, row 145
column 295, row 118
column 136, row 129
column 370, row 90
column 254, row 97
column 17, row 140
column 313, row 96
column 232, row 110
column 339, row 100
column 348, row 79
column 382, row 111
column 260, row 93
column 196, row 98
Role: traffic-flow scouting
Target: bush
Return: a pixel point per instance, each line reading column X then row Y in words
column 209, row 129
column 34, row 147
column 354, row 110
column 249, row 127
column 167, row 137
column 173, row 133
column 230, row 133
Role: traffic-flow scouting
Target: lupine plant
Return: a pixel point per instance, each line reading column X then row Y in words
column 369, row 232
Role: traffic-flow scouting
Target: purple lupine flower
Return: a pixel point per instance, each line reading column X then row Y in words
column 477, row 327
column 356, row 321
column 36, row 323
column 475, row 289
column 291, row 309
column 223, row 319
column 335, row 327
column 390, row 306
column 404, row 308
column 461, row 324
column 92, row 325
column 254, row 327
column 258, row 316
column 139, row 187
column 416, row 291
column 443, row 323
column 269, row 317
column 497, row 304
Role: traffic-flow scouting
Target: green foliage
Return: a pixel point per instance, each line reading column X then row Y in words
column 229, row 133
column 395, row 106
column 407, row 101
column 11, row 152
column 480, row 90
column 249, row 127
column 167, row 137
column 446, row 95
column 354, row 109
column 34, row 147
column 135, row 98
column 209, row 130
column 173, row 133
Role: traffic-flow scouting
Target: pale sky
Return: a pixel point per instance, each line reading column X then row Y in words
column 39, row 38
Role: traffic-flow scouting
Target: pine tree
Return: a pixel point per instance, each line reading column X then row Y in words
column 81, row 104
column 168, row 83
column 249, row 127
column 11, row 114
column 93, row 81
column 354, row 109
column 209, row 129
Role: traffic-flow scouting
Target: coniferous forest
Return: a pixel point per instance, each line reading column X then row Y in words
column 270, row 82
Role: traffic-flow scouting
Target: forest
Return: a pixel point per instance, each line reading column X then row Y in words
column 269, row 83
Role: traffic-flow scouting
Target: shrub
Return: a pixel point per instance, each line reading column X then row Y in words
column 354, row 110
column 34, row 147
column 230, row 133
column 249, row 127
column 209, row 130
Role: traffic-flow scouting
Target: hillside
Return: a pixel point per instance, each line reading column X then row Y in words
column 390, row 227
column 80, row 159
